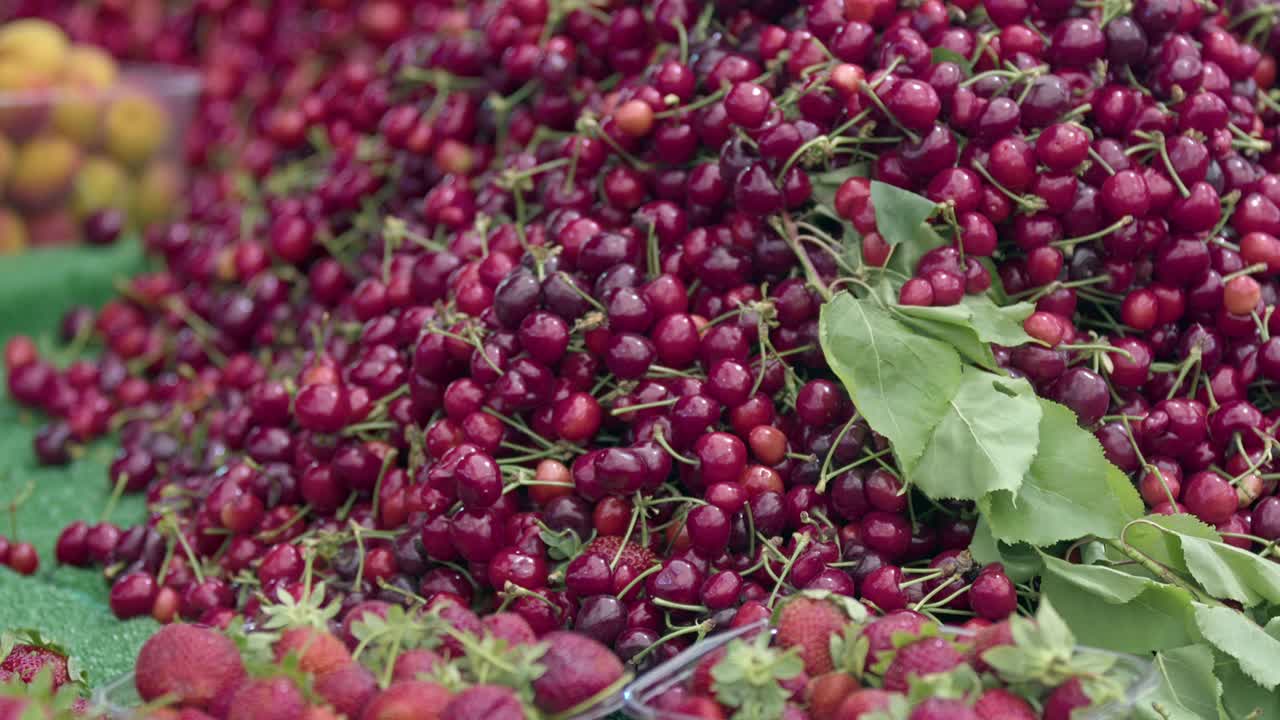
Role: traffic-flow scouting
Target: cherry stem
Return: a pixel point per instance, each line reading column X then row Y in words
column 1098, row 159
column 636, row 580
column 823, row 476
column 871, row 95
column 679, row 606
column 636, row 510
column 923, row 602
column 658, row 438
column 116, row 491
column 787, row 229
column 1113, row 227
column 1102, row 347
column 701, row 629
column 801, row 543
column 1033, row 203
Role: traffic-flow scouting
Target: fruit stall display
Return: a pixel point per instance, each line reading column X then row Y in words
column 509, row 353
column 88, row 150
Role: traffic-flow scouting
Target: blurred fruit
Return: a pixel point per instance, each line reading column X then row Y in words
column 155, row 195
column 43, row 170
column 6, row 161
column 35, row 47
column 101, row 183
column 77, row 112
column 53, row 227
column 135, row 127
column 13, row 234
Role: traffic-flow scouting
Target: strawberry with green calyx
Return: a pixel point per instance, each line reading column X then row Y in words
column 488, row 659
column 414, row 699
column 1000, row 704
column 961, row 682
column 40, row 698
column 191, row 664
column 809, row 620
column 937, row 708
column 880, row 633
column 749, row 678
column 382, row 639
column 1043, row 658
column 918, row 661
column 873, row 704
column 26, row 652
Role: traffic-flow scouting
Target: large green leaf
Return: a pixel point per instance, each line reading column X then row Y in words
column 1070, row 491
column 1257, row 652
column 985, row 440
column 1243, row 697
column 1188, row 688
column 1114, row 610
column 900, row 381
column 1231, row 573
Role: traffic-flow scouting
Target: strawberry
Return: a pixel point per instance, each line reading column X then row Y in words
column 274, row 698
column 880, row 632
column 29, row 653
column 809, row 623
column 638, row 558
column 827, row 692
column 700, row 707
column 485, row 702
column 409, row 700
column 318, row 651
column 1000, row 704
column 1065, row 699
column 943, row 709
column 923, row 657
column 863, row 702
column 577, row 669
column 702, row 682
column 510, row 627
column 460, row 618
column 348, row 689
column 987, row 638
column 321, row 712
column 412, row 663
column 357, row 613
column 192, row 665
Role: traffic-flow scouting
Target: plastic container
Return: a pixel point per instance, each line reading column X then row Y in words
column 117, row 700
column 76, row 159
column 638, row 696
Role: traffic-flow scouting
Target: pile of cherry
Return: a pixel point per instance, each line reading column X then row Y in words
column 512, row 315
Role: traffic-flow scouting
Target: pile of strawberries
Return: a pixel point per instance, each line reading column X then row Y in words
column 827, row 660
column 520, row 315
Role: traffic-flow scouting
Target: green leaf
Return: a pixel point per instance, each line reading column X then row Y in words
column 941, row 54
column 985, row 441
column 38, row 287
column 1113, row 610
column 989, row 322
column 748, row 678
column 1188, row 688
column 1241, row 638
column 961, row 337
column 1242, row 697
column 1229, row 572
column 1150, row 538
column 900, row 381
column 826, row 183
column 1021, row 561
column 899, row 213
column 1070, row 491
column 900, row 220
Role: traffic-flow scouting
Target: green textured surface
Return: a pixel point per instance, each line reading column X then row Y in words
column 68, row 605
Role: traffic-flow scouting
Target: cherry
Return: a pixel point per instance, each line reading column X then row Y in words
column 23, row 558
column 1209, row 497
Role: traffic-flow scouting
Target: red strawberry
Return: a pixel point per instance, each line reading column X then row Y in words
column 880, row 632
column 348, row 689
column 826, row 693
column 809, row 624
column 987, row 638
column 321, row 712
column 700, row 707
column 702, row 681
column 27, row 660
column 863, row 702
column 943, row 709
column 409, row 700
column 357, row 612
column 268, row 699
column 510, row 627
column 318, row 651
column 485, row 702
column 1064, row 699
column 411, row 663
column 1000, row 704
column 191, row 664
column 578, row 669
column 638, row 558
column 460, row 618
column 923, row 657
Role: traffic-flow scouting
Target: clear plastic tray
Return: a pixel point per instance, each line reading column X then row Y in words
column 638, row 696
column 117, row 700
